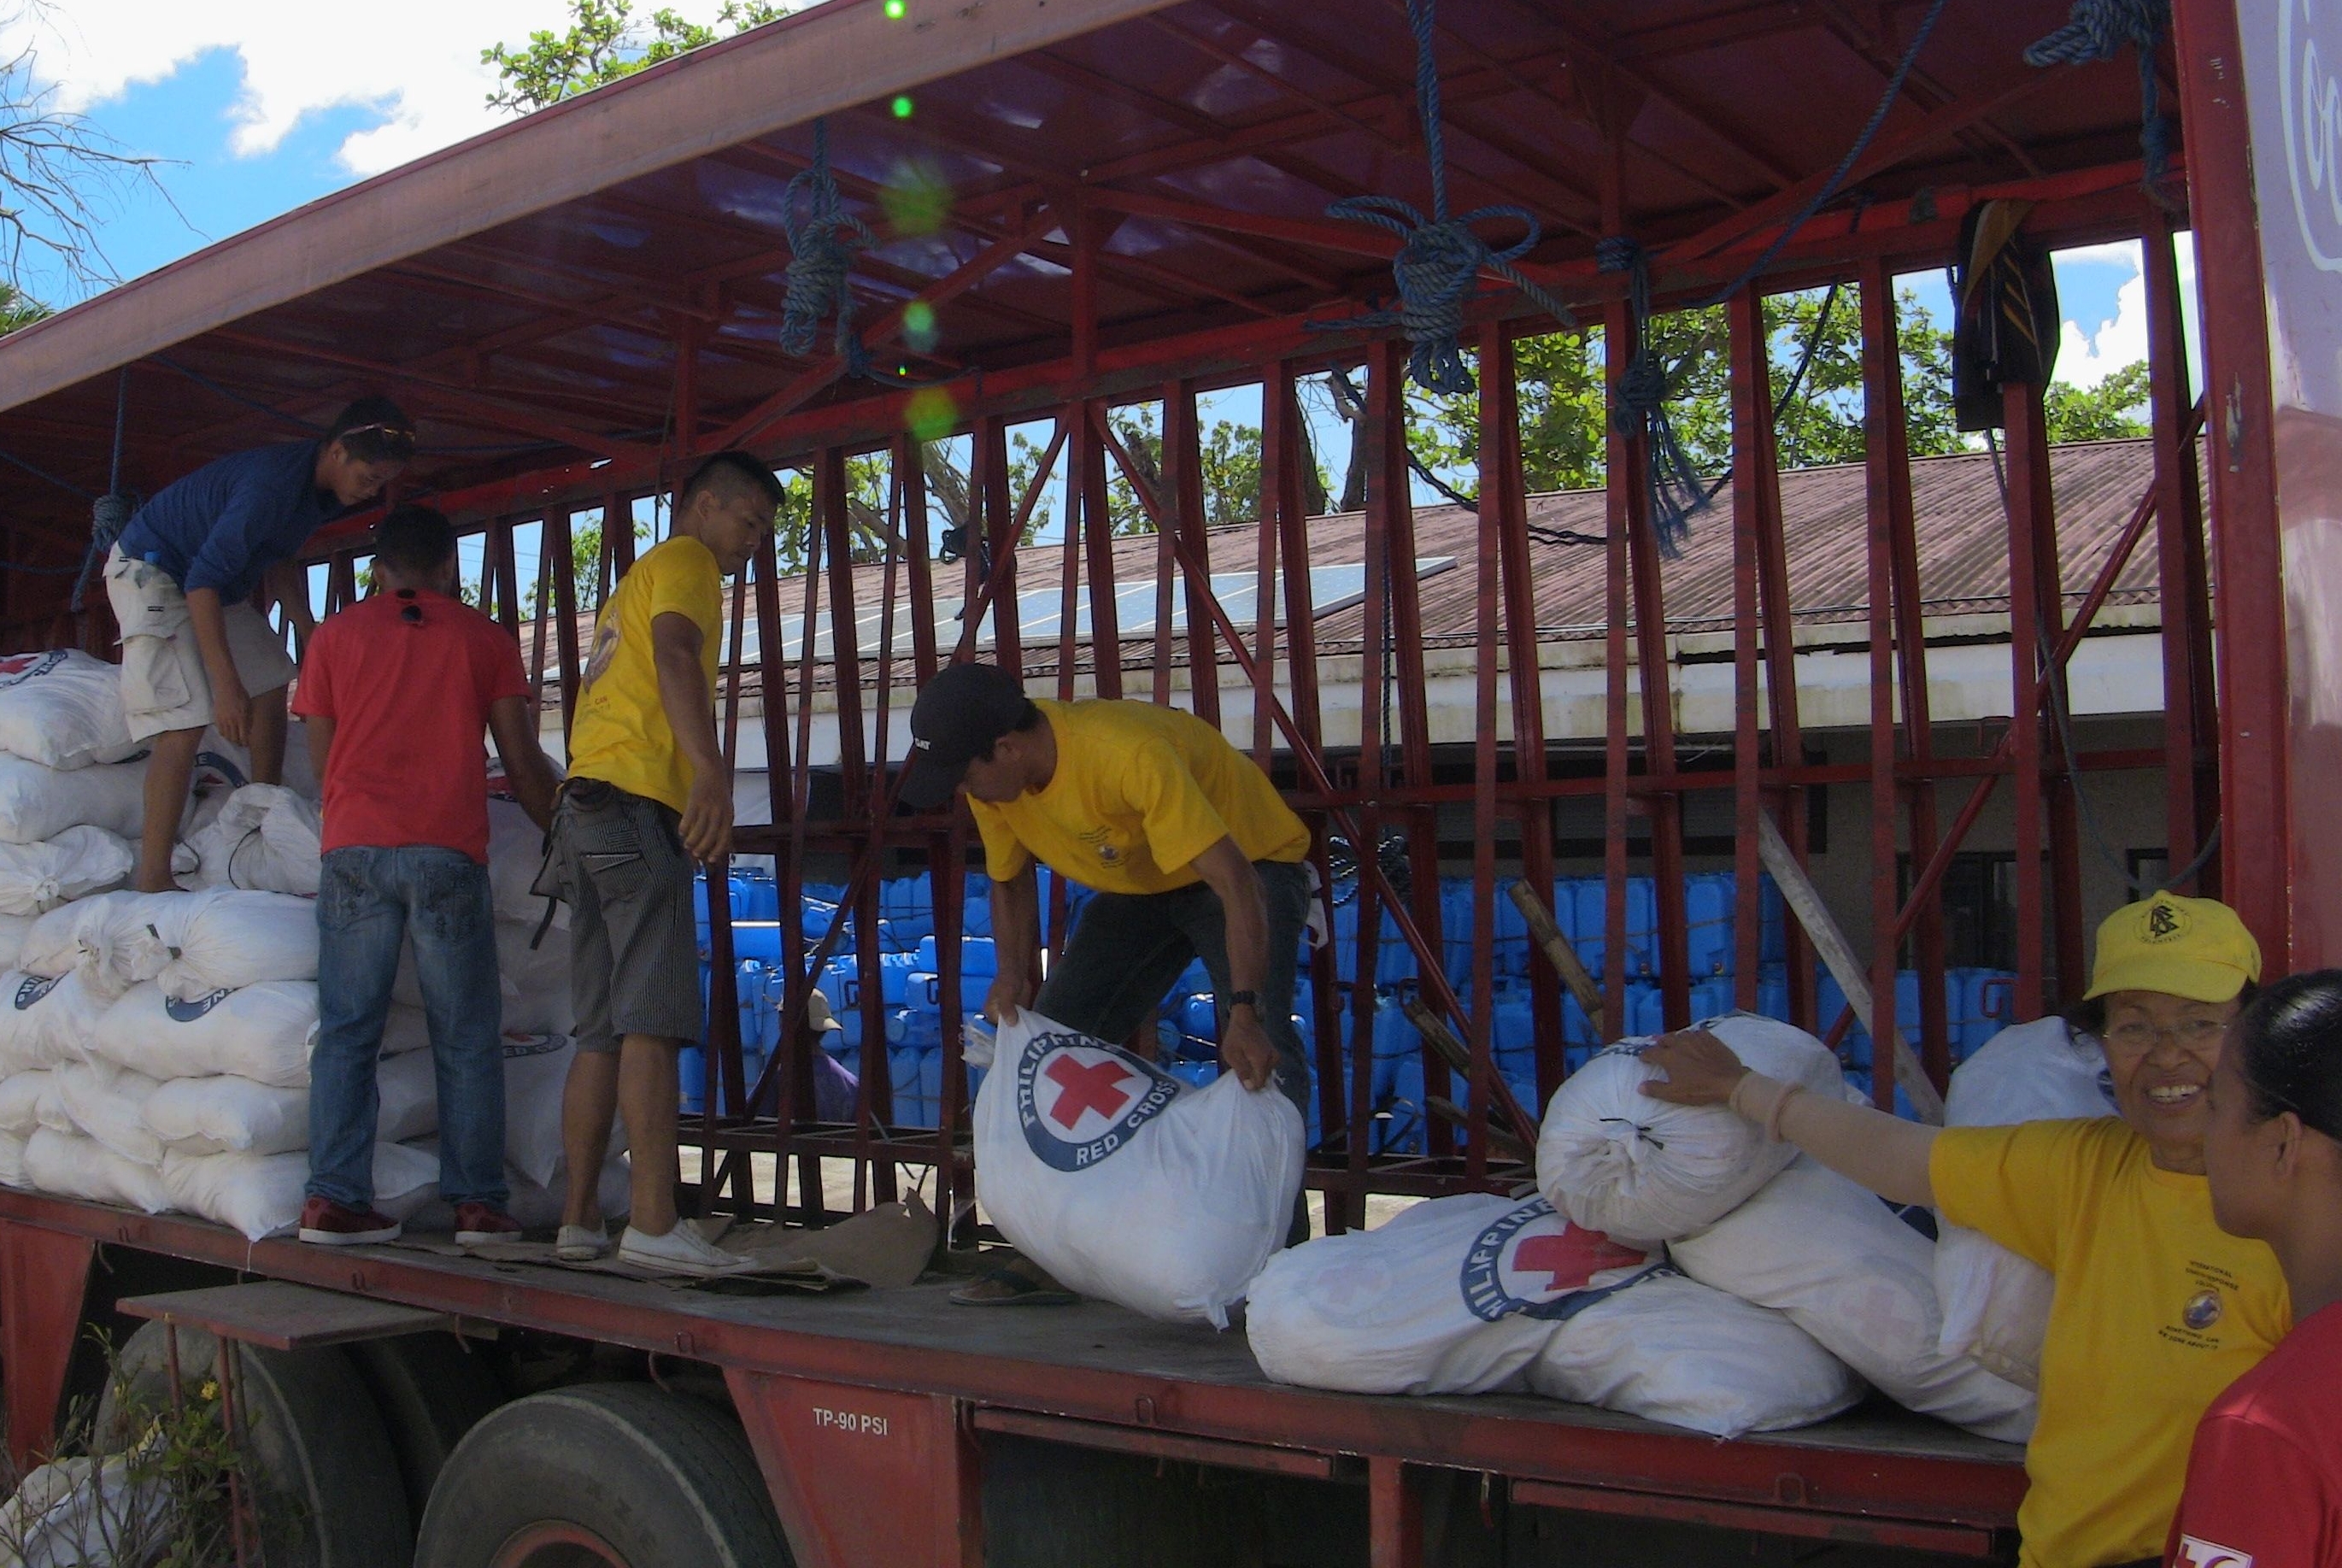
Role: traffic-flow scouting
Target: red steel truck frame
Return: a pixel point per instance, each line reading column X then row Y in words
column 1091, row 202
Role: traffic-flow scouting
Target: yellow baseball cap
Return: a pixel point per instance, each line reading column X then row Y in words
column 2190, row 947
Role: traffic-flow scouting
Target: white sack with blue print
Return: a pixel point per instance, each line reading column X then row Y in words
column 1614, row 1159
column 1456, row 1295
column 1127, row 1184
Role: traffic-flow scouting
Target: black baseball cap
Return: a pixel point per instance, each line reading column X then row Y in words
column 959, row 715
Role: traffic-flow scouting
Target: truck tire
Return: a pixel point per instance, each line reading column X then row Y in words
column 324, row 1479
column 430, row 1390
column 606, row 1476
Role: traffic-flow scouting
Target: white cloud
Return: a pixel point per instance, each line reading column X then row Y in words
column 2087, row 358
column 416, row 65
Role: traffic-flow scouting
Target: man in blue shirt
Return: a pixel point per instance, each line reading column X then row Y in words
column 195, row 652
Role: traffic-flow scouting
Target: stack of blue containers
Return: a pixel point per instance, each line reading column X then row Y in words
column 1977, row 1002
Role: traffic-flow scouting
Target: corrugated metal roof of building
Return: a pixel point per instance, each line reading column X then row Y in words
column 1957, row 499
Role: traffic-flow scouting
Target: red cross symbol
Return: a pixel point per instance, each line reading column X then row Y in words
column 1081, row 1089
column 16, row 662
column 1569, row 1258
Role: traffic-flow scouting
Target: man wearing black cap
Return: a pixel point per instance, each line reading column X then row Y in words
column 1190, row 849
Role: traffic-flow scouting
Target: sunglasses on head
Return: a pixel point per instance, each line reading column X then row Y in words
column 396, row 438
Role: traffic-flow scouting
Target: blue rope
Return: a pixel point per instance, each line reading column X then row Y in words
column 10, row 457
column 823, row 239
column 1829, row 188
column 1639, row 404
column 2095, row 30
column 1439, row 263
column 318, row 432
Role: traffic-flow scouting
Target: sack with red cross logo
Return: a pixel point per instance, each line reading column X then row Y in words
column 1126, row 1183
column 1456, row 1295
column 62, row 709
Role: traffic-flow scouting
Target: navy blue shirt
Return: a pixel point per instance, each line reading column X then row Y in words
column 224, row 525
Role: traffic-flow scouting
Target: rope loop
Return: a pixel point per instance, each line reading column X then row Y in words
column 823, row 239
column 1439, row 264
column 2096, row 30
column 1638, row 404
column 108, row 514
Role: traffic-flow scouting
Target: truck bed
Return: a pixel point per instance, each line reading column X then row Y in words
column 1096, row 1370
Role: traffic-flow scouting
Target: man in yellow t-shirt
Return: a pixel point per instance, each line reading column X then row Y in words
column 1192, row 853
column 649, row 798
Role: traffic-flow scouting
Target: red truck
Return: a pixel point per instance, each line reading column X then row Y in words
column 1080, row 206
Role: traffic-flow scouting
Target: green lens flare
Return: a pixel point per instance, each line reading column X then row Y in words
column 930, row 414
column 895, row 10
column 902, row 105
column 919, row 324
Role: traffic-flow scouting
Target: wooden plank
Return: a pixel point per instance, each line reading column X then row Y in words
column 278, row 1315
column 1805, row 902
column 1563, row 956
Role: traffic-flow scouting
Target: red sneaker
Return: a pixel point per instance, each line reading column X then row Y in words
column 331, row 1225
column 478, row 1222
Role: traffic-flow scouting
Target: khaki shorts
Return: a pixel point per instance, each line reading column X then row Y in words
column 165, row 685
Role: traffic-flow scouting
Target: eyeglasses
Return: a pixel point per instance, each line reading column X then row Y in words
column 2138, row 1036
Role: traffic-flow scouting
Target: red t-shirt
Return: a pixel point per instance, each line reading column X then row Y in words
column 2264, row 1478
column 407, row 679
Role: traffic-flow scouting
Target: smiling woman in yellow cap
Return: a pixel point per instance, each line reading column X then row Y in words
column 2157, row 1310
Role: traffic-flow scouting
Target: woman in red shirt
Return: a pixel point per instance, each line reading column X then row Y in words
column 2264, row 1478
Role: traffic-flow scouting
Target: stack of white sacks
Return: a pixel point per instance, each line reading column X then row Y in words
column 1674, row 1263
column 154, row 1050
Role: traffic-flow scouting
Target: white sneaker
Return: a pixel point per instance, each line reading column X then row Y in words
column 576, row 1245
column 682, row 1250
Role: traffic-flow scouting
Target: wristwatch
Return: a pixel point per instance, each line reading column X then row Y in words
column 1244, row 999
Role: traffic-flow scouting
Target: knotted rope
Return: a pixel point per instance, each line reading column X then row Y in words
column 823, row 239
column 1440, row 262
column 1639, row 404
column 2095, row 30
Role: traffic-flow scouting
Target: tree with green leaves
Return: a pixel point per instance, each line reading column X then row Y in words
column 2114, row 409
column 602, row 44
column 18, row 308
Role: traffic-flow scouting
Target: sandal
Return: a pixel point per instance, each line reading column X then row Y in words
column 1021, row 1290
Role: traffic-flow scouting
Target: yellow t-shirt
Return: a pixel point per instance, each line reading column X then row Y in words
column 620, row 735
column 1138, row 794
column 2157, row 1311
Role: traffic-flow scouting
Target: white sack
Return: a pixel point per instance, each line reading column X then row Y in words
column 222, row 1115
column 223, row 939
column 1614, row 1159
column 72, row 1512
column 1995, row 1303
column 66, row 1165
column 12, row 1160
column 1125, row 1184
column 13, row 929
column 536, row 1069
column 62, row 708
column 405, row 1029
column 262, row 1195
column 80, row 861
column 1456, row 1296
column 20, row 1102
column 39, row 803
column 46, row 1023
column 532, row 983
column 81, row 935
column 264, row 1032
column 1670, row 1349
column 1817, row 1246
column 108, row 1103
column 265, row 838
column 515, row 855
column 49, row 1110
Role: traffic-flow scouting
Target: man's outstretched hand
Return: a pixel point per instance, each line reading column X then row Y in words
column 1245, row 1045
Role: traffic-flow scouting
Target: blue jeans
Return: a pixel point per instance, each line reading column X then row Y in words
column 368, row 903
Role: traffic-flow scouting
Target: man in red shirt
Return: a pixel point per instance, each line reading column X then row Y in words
column 396, row 691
